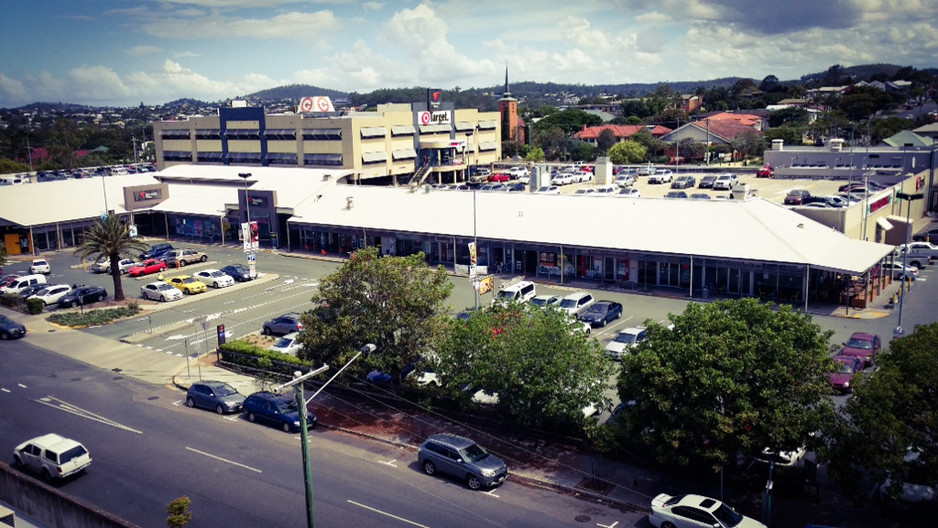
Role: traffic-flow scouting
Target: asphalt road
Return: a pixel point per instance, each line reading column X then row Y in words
column 149, row 448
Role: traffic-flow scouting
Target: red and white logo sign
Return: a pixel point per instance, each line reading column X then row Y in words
column 306, row 104
column 424, row 118
column 315, row 104
column 323, row 104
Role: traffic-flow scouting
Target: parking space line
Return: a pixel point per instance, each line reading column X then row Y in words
column 389, row 463
column 232, row 462
column 386, row 514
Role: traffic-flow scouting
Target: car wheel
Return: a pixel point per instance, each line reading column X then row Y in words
column 286, row 427
column 251, row 417
column 73, row 304
column 187, row 291
column 215, row 285
column 162, row 298
column 219, row 409
column 603, row 324
column 182, row 263
column 123, row 272
column 473, row 482
column 429, row 468
column 101, row 298
column 4, row 336
column 203, row 258
column 266, row 331
column 667, row 525
column 17, row 463
column 190, row 402
column 46, row 475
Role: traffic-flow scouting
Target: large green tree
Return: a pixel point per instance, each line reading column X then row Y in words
column 540, row 363
column 891, row 415
column 570, row 121
column 733, row 376
column 110, row 239
column 627, row 152
column 395, row 303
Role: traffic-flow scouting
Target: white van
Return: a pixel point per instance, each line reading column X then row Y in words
column 522, row 291
column 577, row 303
column 21, row 283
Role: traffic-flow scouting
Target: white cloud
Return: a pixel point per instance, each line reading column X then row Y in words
column 290, row 26
column 653, row 17
column 137, row 51
column 373, row 6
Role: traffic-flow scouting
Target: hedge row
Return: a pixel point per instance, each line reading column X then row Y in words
column 94, row 317
column 253, row 356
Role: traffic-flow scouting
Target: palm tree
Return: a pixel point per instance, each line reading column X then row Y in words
column 110, row 238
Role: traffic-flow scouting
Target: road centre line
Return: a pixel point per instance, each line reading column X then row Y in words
column 232, row 462
column 412, row 523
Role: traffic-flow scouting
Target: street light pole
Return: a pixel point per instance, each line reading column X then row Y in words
column 301, row 402
column 909, row 198
column 252, row 256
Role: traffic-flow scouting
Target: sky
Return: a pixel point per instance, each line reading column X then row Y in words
column 127, row 52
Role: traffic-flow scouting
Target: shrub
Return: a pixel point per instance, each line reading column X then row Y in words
column 93, row 317
column 248, row 355
column 34, row 306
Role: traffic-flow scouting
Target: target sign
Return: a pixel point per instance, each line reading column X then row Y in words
column 323, row 104
column 306, row 104
column 424, row 118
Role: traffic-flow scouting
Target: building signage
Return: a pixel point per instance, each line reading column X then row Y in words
column 433, row 118
column 257, row 201
column 315, row 104
column 148, row 194
column 879, row 204
column 434, row 97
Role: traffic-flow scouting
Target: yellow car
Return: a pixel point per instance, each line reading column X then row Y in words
column 187, row 284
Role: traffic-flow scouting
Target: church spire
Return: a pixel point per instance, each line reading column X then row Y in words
column 507, row 91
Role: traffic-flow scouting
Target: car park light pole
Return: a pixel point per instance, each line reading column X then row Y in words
column 301, row 402
column 909, row 198
column 249, row 235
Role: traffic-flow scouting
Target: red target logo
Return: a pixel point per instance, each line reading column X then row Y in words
column 424, row 118
column 323, row 104
column 306, row 104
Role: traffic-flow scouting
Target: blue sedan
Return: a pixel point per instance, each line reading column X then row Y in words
column 600, row 313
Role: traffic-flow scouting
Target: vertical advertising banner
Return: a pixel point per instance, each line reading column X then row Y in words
column 246, row 235
column 472, row 260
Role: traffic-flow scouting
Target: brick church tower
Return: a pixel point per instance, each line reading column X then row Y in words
column 512, row 125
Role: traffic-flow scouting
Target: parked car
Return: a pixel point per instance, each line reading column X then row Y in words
column 82, row 295
column 181, row 257
column 147, row 267
column 288, row 344
column 782, row 458
column 625, row 341
column 10, row 329
column 461, row 458
column 683, row 182
column 862, row 345
column 725, row 182
column 545, row 300
column 215, row 278
column 283, row 325
column 686, row 511
column 104, row 265
column 664, row 176
column 909, row 495
column 17, row 284
column 921, row 254
column 40, row 266
column 585, row 191
column 930, row 235
column 51, row 294
column 699, row 196
column 521, row 291
column 707, row 182
column 900, row 271
column 765, row 172
column 625, row 180
column 847, row 368
column 630, row 192
column 188, row 285
column 676, row 194
column 32, row 289
column 160, row 291
column 52, row 456
column 156, row 251
column 548, row 189
column 275, row 410
column 239, row 272
column 562, row 178
column 499, row 177
column 216, row 395
column 796, row 197
column 601, row 313
column 646, row 170
column 606, row 190
column 576, row 303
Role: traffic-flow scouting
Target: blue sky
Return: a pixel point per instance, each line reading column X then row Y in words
column 124, row 52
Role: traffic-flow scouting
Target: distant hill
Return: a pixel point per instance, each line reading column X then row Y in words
column 295, row 92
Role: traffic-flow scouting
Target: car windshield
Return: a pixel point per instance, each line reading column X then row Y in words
column 189, row 280
column 74, row 452
column 795, row 193
column 216, row 274
column 474, row 453
column 626, row 338
column 44, row 291
column 727, row 515
column 859, row 343
column 506, row 295
column 224, row 390
column 846, row 369
column 284, row 342
column 286, row 407
column 568, row 303
column 598, row 308
column 164, row 287
column 539, row 302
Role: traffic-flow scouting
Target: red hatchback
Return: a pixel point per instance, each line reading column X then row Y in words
column 863, row 346
column 499, row 177
column 147, row 267
column 847, row 368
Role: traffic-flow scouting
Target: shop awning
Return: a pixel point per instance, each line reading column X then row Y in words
column 429, row 129
column 374, row 157
column 465, row 125
column 488, row 145
column 407, row 153
column 403, row 130
column 883, row 223
column 369, row 132
column 486, row 125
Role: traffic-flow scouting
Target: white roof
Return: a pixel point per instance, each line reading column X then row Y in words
column 65, row 200
column 754, row 229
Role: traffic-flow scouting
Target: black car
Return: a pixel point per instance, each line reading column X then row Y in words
column 156, row 251
column 83, row 295
column 683, row 182
column 32, row 289
column 706, row 182
column 10, row 329
column 239, row 272
column 275, row 410
column 283, row 325
column 931, row 235
column 600, row 313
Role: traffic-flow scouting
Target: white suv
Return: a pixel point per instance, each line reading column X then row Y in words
column 52, row 456
column 577, row 303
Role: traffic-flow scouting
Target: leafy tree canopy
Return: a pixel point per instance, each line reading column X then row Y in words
column 627, row 152
column 109, row 238
column 733, row 376
column 888, row 426
column 570, row 121
column 394, row 302
column 540, row 363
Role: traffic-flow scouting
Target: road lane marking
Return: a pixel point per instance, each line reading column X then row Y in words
column 388, row 463
column 22, row 386
column 491, row 493
column 412, row 523
column 62, row 405
column 5, row 389
column 232, row 462
column 613, row 525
